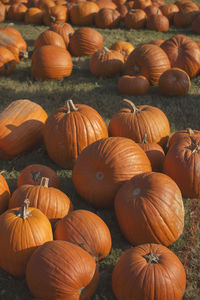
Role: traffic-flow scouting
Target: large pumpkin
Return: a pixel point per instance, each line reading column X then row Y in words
column 62, row 271
column 4, row 194
column 149, row 209
column 83, row 13
column 55, row 15
column 183, row 53
column 133, row 122
column 21, row 126
column 49, row 37
column 20, row 237
column 103, row 166
column 87, row 230
column 51, row 201
column 51, row 62
column 71, row 128
column 182, row 164
column 85, row 41
column 147, row 60
column 149, row 272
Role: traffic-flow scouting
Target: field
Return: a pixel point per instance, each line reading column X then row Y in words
column 102, row 95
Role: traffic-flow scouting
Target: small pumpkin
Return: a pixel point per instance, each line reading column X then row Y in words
column 20, row 237
column 149, row 209
column 49, row 37
column 106, row 4
column 174, row 82
column 149, row 271
column 21, row 127
column 107, row 18
column 65, row 30
column 51, row 62
column 99, row 165
column 4, row 194
column 65, row 138
column 125, row 48
column 169, row 11
column 51, row 268
column 33, row 15
column 158, row 22
column 135, row 18
column 16, row 12
column 33, row 174
column 85, row 41
column 51, row 201
column 106, row 63
column 83, row 13
column 140, row 119
column 141, row 4
column 87, row 230
column 55, row 15
column 181, row 134
column 133, row 85
column 7, row 61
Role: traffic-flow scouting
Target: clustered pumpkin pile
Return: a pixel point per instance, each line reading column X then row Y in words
column 56, row 247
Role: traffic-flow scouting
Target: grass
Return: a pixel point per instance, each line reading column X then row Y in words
column 102, row 95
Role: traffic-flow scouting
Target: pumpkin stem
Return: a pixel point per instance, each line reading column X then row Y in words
column 105, row 49
column 70, row 106
column 52, row 19
column 36, row 176
column 130, row 105
column 44, row 182
column 144, row 140
column 23, row 211
column 190, row 131
column 152, row 258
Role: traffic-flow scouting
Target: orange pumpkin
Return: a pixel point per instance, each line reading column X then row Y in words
column 125, row 48
column 69, row 129
column 196, row 25
column 148, row 60
column 33, row 15
column 83, row 13
column 65, row 30
column 178, row 135
column 141, row 4
column 49, row 37
column 55, row 15
column 149, row 271
column 158, row 22
column 62, row 270
column 169, row 10
column 7, row 61
column 87, row 230
column 140, row 119
column 99, row 165
column 135, row 18
column 33, row 174
column 51, row 62
column 149, row 209
column 133, row 85
column 107, row 18
column 21, row 127
column 20, row 237
column 51, row 201
column 2, row 12
column 4, row 194
column 17, row 12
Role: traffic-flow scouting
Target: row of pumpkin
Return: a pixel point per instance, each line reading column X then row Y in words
column 71, row 129
column 156, row 15
column 154, row 63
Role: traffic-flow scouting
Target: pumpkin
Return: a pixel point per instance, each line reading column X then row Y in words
column 62, row 270
column 12, row 39
column 156, row 42
column 33, row 174
column 56, row 14
column 107, row 18
column 51, row 62
column 106, row 4
column 152, row 10
column 33, row 15
column 7, row 61
column 99, row 165
column 149, row 209
column 183, row 3
column 174, row 82
column 20, row 237
column 183, row 53
column 182, row 164
column 21, row 126
column 119, row 2
column 85, row 41
column 51, row 201
column 83, row 13
column 87, row 230
column 69, row 129
column 49, row 37
column 174, row 138
column 196, row 25
column 45, row 4
column 106, row 63
column 123, row 10
column 17, row 12
column 158, row 22
column 169, row 11
column 158, row 3
column 2, row 12
column 65, row 30
column 141, row 4
column 4, row 194
column 149, row 61
column 125, row 48
column 134, row 121
column 155, row 154
column 133, row 85
column 149, row 271
column 135, row 18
